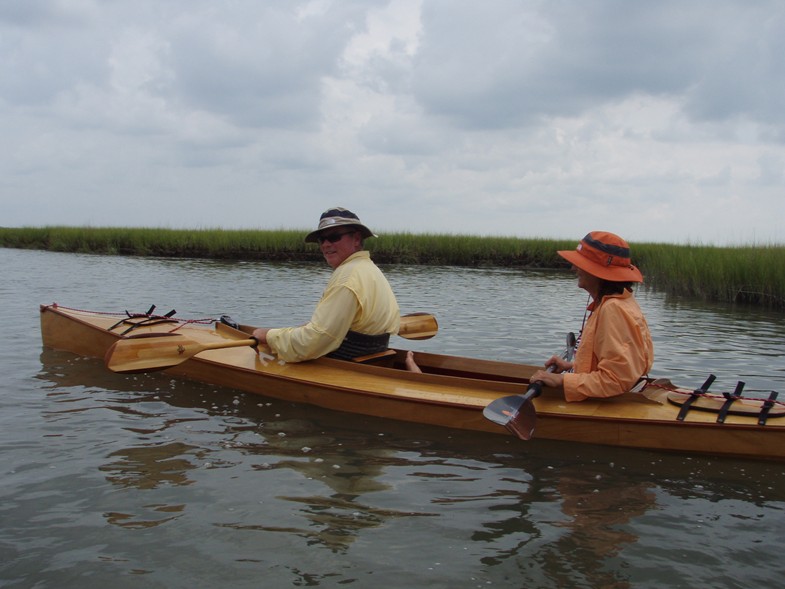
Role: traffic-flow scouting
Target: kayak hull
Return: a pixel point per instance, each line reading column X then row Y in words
column 451, row 392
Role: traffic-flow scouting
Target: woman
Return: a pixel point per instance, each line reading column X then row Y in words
column 615, row 347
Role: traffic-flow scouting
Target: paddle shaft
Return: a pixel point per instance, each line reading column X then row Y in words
column 235, row 344
column 415, row 326
column 535, row 388
column 522, row 424
column 161, row 351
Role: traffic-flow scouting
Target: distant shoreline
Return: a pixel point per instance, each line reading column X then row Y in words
column 753, row 274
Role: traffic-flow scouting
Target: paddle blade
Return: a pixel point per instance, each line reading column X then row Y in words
column 523, row 422
column 150, row 352
column 522, row 425
column 502, row 410
column 418, row 326
column 515, row 412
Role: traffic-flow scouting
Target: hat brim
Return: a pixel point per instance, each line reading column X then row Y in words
column 612, row 273
column 364, row 231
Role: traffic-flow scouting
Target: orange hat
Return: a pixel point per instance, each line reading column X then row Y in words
column 604, row 255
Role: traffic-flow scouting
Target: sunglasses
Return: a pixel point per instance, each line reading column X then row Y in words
column 333, row 237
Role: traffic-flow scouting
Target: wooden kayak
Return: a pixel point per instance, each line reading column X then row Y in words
column 451, row 391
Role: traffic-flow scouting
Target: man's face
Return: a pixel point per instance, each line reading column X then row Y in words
column 338, row 244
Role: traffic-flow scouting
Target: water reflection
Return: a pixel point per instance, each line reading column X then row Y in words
column 345, row 469
column 576, row 544
column 148, row 467
column 256, row 430
column 545, row 513
column 334, row 522
column 152, row 518
column 597, row 525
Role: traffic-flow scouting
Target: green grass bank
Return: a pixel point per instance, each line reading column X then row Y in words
column 744, row 274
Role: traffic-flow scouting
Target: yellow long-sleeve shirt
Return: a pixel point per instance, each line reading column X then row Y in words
column 357, row 298
column 614, row 352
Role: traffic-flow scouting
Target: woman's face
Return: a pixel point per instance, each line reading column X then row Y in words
column 587, row 282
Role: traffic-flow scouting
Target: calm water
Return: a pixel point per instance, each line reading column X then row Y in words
column 145, row 481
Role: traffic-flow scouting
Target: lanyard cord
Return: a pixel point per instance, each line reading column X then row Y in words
column 583, row 323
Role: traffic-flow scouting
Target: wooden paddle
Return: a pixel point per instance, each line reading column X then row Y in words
column 418, row 326
column 159, row 351
column 414, row 326
column 516, row 412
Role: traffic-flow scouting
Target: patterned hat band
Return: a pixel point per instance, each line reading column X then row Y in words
column 608, row 254
column 339, row 212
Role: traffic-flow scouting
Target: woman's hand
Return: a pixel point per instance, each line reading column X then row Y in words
column 550, row 379
column 559, row 364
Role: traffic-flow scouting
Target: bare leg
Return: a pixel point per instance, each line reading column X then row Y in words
column 411, row 365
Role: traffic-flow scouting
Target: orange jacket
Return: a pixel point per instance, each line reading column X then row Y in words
column 614, row 352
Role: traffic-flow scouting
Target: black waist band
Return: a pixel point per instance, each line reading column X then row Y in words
column 359, row 344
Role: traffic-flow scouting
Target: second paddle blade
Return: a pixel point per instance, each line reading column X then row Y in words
column 418, row 326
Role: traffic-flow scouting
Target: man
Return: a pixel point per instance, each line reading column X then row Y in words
column 357, row 311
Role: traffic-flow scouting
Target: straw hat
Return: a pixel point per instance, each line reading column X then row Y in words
column 337, row 217
column 604, row 255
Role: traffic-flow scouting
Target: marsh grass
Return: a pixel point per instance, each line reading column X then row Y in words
column 744, row 274
column 466, row 250
column 199, row 243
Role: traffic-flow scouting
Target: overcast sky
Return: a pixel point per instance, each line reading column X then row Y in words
column 661, row 121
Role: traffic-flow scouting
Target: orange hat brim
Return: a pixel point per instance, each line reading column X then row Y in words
column 612, row 273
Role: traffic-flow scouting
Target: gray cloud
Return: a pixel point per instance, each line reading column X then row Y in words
column 544, row 115
column 495, row 64
column 264, row 70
